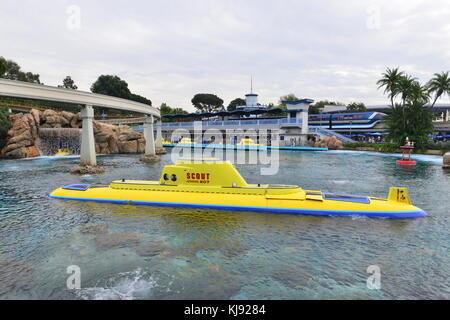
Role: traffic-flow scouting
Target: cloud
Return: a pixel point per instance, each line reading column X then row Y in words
column 170, row 50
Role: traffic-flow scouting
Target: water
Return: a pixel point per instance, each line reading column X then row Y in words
column 140, row 252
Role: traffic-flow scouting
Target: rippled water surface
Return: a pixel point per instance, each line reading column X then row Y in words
column 141, row 252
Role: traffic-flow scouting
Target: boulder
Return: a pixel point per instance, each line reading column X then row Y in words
column 75, row 122
column 160, row 150
column 128, row 146
column 141, row 145
column 117, row 240
column 36, row 115
column 329, row 142
column 21, row 137
column 87, row 170
column 446, row 161
column 113, row 146
column 150, row 159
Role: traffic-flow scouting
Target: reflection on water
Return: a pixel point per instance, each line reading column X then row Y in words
column 140, row 252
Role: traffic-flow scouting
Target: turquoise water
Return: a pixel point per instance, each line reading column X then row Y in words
column 140, row 252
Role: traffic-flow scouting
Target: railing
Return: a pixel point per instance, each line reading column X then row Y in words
column 235, row 123
column 124, row 120
column 330, row 133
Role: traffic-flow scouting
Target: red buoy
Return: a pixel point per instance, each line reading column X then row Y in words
column 406, row 155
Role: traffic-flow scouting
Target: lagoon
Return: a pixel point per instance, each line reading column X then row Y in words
column 140, row 252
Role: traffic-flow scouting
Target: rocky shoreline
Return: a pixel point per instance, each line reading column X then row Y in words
column 23, row 137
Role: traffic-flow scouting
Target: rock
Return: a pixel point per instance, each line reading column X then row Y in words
column 21, row 137
column 87, row 170
column 292, row 276
column 128, row 146
column 446, row 161
column 32, row 152
column 67, row 116
column 117, row 240
column 75, row 122
column 141, row 145
column 93, row 228
column 150, row 158
column 129, row 135
column 329, row 142
column 161, row 150
column 150, row 249
column 36, row 115
column 15, row 274
column 113, row 146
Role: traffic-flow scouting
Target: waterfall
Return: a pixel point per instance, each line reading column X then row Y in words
column 52, row 139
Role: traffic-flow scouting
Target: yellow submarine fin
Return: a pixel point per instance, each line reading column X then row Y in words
column 399, row 195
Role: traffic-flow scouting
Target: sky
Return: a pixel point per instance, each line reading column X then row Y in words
column 170, row 50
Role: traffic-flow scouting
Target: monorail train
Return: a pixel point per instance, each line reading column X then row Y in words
column 360, row 120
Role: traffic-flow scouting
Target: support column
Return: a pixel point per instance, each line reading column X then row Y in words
column 159, row 144
column 87, row 154
column 304, row 117
column 149, row 136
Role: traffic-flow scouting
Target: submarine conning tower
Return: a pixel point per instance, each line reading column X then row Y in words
column 202, row 172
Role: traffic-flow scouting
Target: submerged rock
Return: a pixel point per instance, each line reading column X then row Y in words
column 150, row 158
column 292, row 276
column 93, row 228
column 151, row 249
column 117, row 240
column 160, row 151
column 15, row 274
column 87, row 170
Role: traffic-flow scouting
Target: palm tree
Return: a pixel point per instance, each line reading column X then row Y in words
column 405, row 88
column 389, row 81
column 439, row 85
column 418, row 93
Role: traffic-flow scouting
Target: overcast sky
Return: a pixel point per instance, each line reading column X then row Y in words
column 170, row 50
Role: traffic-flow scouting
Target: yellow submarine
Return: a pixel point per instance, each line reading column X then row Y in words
column 248, row 142
column 62, row 152
column 216, row 184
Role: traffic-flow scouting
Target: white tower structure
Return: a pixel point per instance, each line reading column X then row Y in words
column 251, row 99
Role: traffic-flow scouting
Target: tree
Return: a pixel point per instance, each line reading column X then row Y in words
column 165, row 109
column 206, row 102
column 111, row 86
column 68, row 83
column 236, row 103
column 418, row 93
column 389, row 82
column 12, row 71
column 356, row 107
column 317, row 107
column 2, row 66
column 116, row 87
column 414, row 121
column 141, row 99
column 404, row 88
column 288, row 97
column 410, row 118
column 4, row 125
column 439, row 85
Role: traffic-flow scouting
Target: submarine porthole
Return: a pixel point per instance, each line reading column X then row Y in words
column 166, row 176
column 174, row 177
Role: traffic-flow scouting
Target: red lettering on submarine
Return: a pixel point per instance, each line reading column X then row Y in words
column 195, row 176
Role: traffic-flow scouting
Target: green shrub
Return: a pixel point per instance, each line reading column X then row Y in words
column 4, row 125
